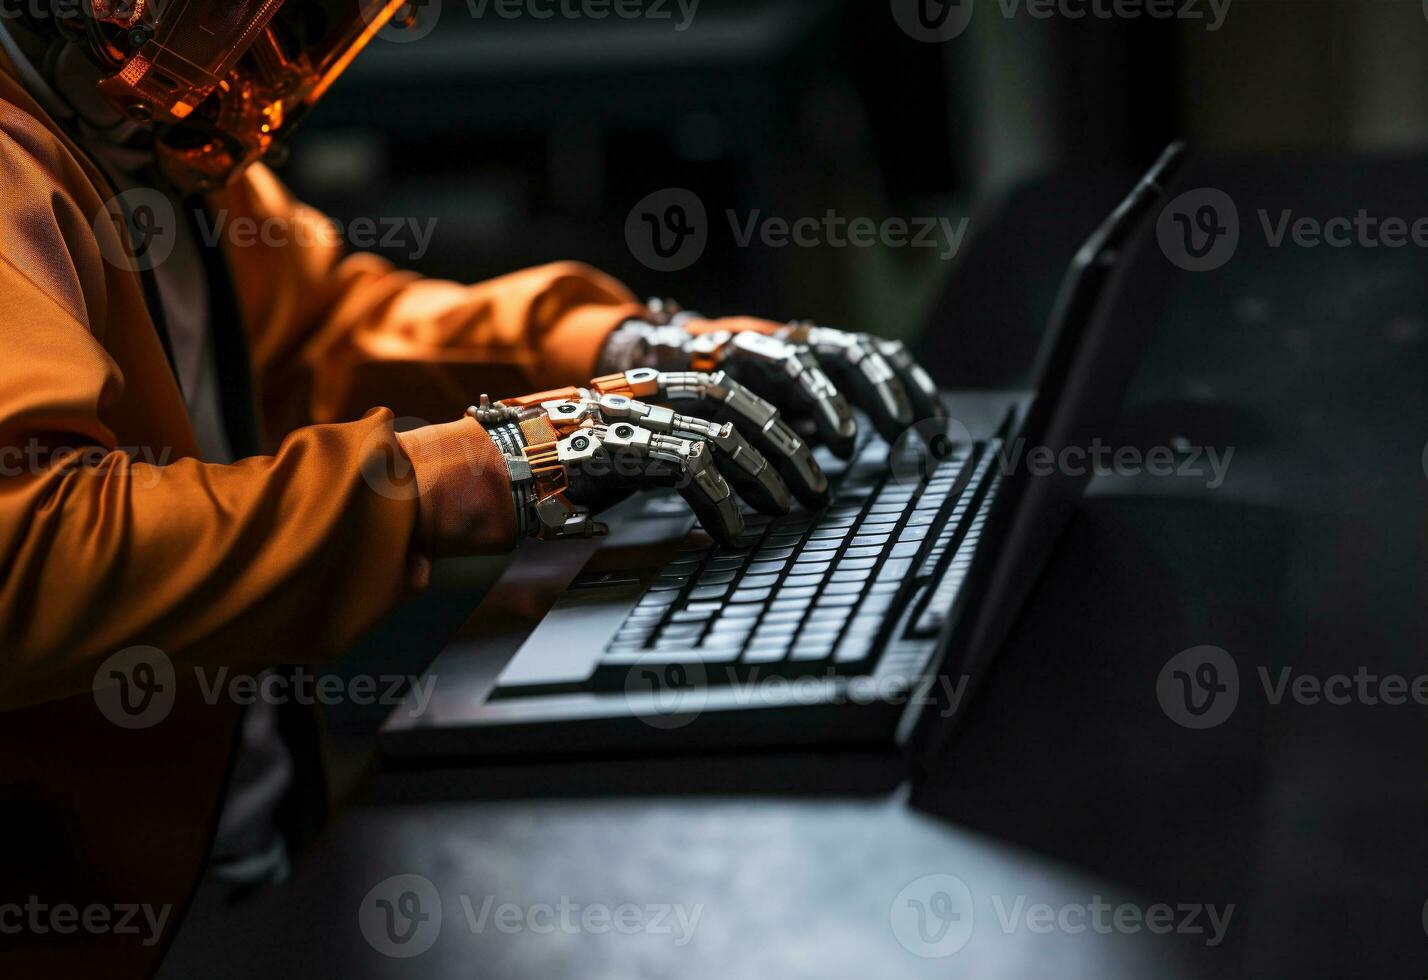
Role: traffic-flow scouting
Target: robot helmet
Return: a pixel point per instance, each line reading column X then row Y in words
column 221, row 81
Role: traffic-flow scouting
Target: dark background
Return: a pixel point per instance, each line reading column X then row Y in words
column 531, row 140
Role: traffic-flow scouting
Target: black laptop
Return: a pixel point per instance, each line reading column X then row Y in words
column 864, row 623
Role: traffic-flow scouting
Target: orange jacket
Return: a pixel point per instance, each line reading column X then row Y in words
column 284, row 558
column 199, row 559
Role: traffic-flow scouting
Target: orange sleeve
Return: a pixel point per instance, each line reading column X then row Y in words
column 111, row 534
column 333, row 333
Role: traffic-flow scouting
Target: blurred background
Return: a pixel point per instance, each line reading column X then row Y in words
column 531, row 137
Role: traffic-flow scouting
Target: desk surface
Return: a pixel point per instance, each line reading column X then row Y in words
column 1067, row 785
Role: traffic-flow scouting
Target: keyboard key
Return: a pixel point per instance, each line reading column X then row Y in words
column 772, row 554
column 810, row 557
column 770, row 654
column 708, row 592
column 654, row 599
column 659, row 658
column 861, row 564
column 812, row 651
column 908, row 549
column 895, row 568
column 832, row 601
column 782, row 605
column 859, row 575
column 853, row 649
column 863, row 552
column 757, row 581
column 767, row 567
column 689, row 615
column 750, row 595
column 798, row 592
column 716, row 578
column 797, row 581
column 739, row 613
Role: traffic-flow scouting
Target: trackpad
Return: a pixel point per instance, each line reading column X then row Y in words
column 567, row 644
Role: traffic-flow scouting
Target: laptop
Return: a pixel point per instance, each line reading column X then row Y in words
column 867, row 623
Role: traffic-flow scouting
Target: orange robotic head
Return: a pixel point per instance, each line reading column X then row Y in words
column 222, row 80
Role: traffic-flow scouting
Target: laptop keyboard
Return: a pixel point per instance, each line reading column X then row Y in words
column 816, row 590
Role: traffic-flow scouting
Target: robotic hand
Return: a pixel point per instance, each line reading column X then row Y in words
column 574, row 452
column 795, row 365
